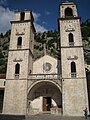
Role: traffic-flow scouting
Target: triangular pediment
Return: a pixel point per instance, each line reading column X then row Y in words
column 45, row 65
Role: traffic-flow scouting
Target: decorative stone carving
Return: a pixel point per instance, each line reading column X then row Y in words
column 20, row 33
column 17, row 60
column 47, row 66
column 72, row 58
column 70, row 27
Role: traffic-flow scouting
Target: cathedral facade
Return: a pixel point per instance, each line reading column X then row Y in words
column 47, row 84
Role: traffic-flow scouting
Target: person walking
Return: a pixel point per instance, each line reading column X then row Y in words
column 85, row 113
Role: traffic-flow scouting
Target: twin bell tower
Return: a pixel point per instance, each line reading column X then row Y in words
column 20, row 63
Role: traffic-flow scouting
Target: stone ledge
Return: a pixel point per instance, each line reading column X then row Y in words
column 12, row 117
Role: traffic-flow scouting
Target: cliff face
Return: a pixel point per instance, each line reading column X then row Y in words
column 4, row 46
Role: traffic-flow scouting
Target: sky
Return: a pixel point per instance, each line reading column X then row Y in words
column 45, row 12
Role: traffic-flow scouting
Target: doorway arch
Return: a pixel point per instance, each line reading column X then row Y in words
column 43, row 95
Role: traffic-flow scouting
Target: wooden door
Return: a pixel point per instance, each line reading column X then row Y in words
column 44, row 104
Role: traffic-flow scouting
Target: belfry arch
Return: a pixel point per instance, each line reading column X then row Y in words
column 47, row 94
column 68, row 12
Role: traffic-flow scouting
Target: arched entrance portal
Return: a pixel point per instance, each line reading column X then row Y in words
column 44, row 96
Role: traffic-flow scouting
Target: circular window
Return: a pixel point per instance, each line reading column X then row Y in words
column 47, row 66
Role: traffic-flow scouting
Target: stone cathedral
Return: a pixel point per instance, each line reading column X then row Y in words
column 47, row 84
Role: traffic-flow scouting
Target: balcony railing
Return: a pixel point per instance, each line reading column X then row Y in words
column 73, row 75
column 16, row 76
column 19, row 46
column 44, row 77
column 71, row 43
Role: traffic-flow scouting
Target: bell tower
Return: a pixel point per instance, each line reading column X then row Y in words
column 74, row 87
column 20, row 58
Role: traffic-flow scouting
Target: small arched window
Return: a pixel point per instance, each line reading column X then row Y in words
column 22, row 16
column 68, row 12
column 19, row 42
column 73, row 69
column 17, row 68
column 71, row 39
column 17, row 71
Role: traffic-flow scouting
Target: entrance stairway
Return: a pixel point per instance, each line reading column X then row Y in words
column 52, row 117
column 43, row 116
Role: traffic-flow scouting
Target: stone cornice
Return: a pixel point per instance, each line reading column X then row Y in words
column 24, row 21
column 70, row 18
column 73, row 78
column 71, row 46
column 22, row 50
column 21, row 21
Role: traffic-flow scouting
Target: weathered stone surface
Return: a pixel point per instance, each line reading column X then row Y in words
column 67, row 93
column 52, row 117
column 74, row 89
column 15, row 97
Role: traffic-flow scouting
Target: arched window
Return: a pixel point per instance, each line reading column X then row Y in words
column 71, row 39
column 73, row 69
column 17, row 70
column 68, row 12
column 22, row 15
column 19, row 42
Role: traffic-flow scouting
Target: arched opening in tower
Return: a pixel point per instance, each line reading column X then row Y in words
column 22, row 16
column 68, row 12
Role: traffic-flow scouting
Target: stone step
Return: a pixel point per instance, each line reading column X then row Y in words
column 52, row 117
column 44, row 116
column 12, row 117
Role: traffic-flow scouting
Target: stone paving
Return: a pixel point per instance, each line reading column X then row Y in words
column 41, row 117
column 53, row 117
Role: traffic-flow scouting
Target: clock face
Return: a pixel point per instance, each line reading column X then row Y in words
column 69, row 26
column 47, row 66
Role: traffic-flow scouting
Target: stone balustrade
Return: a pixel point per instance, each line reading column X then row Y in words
column 44, row 77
